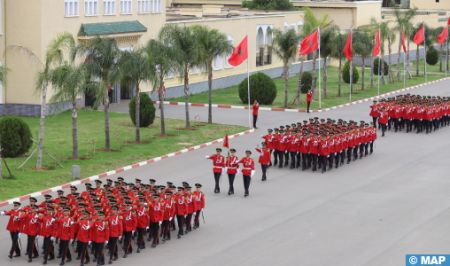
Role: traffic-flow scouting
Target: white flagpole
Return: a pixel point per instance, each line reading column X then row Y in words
column 379, row 63
column 320, row 84
column 351, row 66
column 425, row 57
column 248, row 93
column 404, row 68
column 446, row 54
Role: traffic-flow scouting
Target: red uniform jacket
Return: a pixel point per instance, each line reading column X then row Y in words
column 169, row 209
column 48, row 226
column 218, row 162
column 180, row 205
column 264, row 157
column 31, row 225
column 84, row 231
column 189, row 203
column 100, row 231
column 199, row 200
column 309, row 96
column 156, row 212
column 248, row 165
column 15, row 221
column 143, row 219
column 255, row 108
column 65, row 228
column 232, row 164
column 129, row 221
column 115, row 226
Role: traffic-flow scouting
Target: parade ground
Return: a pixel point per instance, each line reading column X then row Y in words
column 371, row 212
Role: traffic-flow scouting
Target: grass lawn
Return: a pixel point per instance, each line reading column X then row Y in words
column 230, row 95
column 58, row 143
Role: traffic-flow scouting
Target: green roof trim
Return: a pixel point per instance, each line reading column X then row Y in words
column 110, row 28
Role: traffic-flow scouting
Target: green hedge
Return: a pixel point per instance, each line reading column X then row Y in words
column 15, row 137
column 377, row 70
column 262, row 88
column 432, row 56
column 346, row 73
column 306, row 82
column 147, row 110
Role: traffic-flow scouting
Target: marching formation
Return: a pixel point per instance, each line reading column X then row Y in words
column 320, row 144
column 115, row 215
column 413, row 112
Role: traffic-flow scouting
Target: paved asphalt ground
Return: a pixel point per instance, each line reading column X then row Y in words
column 371, row 212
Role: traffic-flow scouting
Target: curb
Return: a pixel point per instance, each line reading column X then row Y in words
column 122, row 169
column 281, row 109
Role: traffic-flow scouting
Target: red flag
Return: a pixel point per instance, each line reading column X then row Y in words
column 226, row 143
column 348, row 48
column 240, row 53
column 377, row 47
column 419, row 38
column 309, row 44
column 443, row 36
column 403, row 42
column 448, row 22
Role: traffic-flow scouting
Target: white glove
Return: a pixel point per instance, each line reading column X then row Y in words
column 147, row 228
column 224, row 170
column 252, row 173
column 160, row 223
column 170, row 219
column 2, row 213
column 206, row 157
column 90, row 242
column 52, row 238
column 106, row 243
column 238, row 172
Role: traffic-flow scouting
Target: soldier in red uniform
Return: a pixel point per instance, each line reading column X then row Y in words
column 248, row 169
column 65, row 226
column 14, row 225
column 180, row 210
column 129, row 226
column 168, row 214
column 115, row 222
column 100, row 236
column 264, row 159
column 199, row 204
column 83, row 226
column 218, row 165
column 189, row 208
column 268, row 139
column 31, row 228
column 143, row 221
column 232, row 168
column 156, row 217
column 309, row 96
column 48, row 229
column 255, row 111
column 384, row 118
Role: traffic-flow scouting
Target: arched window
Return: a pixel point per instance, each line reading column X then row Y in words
column 260, row 47
column 268, row 46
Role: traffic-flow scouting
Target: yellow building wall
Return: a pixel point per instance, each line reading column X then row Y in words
column 430, row 4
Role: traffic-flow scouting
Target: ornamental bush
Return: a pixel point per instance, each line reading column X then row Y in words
column 268, row 4
column 262, row 88
column 377, row 70
column 432, row 56
column 306, row 82
column 346, row 73
column 15, row 137
column 147, row 110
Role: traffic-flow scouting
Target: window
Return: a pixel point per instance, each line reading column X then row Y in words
column 157, row 6
column 90, row 7
column 144, row 6
column 71, row 8
column 126, row 6
column 109, row 7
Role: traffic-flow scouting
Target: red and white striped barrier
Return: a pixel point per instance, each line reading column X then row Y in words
column 280, row 109
column 122, row 169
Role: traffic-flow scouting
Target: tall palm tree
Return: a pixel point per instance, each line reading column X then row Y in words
column 184, row 44
column 102, row 64
column 68, row 82
column 403, row 24
column 286, row 46
column 160, row 59
column 210, row 43
column 327, row 46
column 362, row 46
column 134, row 67
column 59, row 48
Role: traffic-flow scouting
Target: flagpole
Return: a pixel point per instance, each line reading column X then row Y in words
column 446, row 54
column 320, row 84
column 425, row 46
column 248, row 94
column 404, row 69
column 379, row 63
column 351, row 66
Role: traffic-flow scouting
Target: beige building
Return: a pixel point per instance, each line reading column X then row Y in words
column 33, row 24
column 440, row 5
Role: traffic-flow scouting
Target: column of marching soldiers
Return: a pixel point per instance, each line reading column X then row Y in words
column 415, row 113
column 115, row 215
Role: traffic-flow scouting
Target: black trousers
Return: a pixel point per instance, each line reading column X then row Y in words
column 48, row 248
column 264, row 172
column 112, row 245
column 231, row 182
column 383, row 129
column 98, row 248
column 65, row 251
column 308, row 104
column 286, row 158
column 247, row 180
column 255, row 118
column 31, row 247
column 197, row 219
column 165, row 228
column 83, row 252
column 314, row 161
column 14, row 244
column 127, row 248
column 280, row 158
column 217, row 179
column 140, row 237
column 188, row 222
column 275, row 157
column 293, row 157
column 299, row 157
column 180, row 222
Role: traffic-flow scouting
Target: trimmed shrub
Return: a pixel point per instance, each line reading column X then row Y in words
column 377, row 70
column 262, row 88
column 147, row 110
column 346, row 73
column 268, row 4
column 306, row 82
column 15, row 137
column 432, row 56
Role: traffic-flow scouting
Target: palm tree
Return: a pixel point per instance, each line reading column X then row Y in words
column 102, row 64
column 327, row 44
column 184, row 44
column 404, row 24
column 210, row 44
column 134, row 67
column 68, row 82
column 160, row 59
column 286, row 46
column 362, row 46
column 60, row 47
